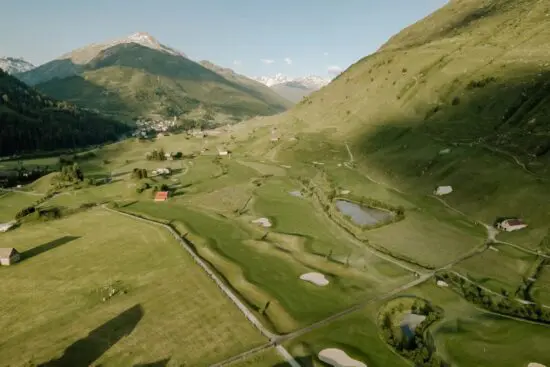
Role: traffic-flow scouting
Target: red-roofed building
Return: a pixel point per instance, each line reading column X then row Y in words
column 161, row 196
column 512, row 224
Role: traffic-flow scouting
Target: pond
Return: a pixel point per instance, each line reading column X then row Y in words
column 363, row 216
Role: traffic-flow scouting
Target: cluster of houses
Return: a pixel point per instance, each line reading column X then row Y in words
column 146, row 127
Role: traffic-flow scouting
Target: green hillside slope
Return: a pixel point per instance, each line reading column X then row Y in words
column 30, row 121
column 130, row 80
column 473, row 77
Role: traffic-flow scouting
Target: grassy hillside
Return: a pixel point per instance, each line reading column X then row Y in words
column 130, row 80
column 473, row 77
column 30, row 121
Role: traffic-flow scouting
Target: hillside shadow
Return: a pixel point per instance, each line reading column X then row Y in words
column 40, row 249
column 160, row 363
column 85, row 351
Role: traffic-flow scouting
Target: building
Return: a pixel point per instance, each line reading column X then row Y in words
column 512, row 224
column 161, row 196
column 161, row 171
column 4, row 227
column 9, row 256
column 443, row 190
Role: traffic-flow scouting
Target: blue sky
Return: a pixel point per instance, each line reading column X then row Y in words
column 254, row 37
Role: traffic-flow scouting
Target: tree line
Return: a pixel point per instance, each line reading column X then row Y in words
column 32, row 122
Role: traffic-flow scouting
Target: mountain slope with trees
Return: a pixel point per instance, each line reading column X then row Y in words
column 31, row 121
column 132, row 79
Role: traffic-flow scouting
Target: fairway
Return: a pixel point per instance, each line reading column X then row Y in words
column 164, row 303
column 269, row 270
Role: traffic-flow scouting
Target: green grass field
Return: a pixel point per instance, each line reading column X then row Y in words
column 500, row 270
column 265, row 270
column 268, row 358
column 170, row 310
column 13, row 202
column 541, row 288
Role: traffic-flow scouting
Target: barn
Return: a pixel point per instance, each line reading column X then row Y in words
column 161, row 196
column 9, row 256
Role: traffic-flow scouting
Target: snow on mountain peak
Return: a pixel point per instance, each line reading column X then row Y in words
column 310, row 81
column 13, row 65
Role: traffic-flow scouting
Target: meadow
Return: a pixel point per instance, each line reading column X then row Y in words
column 112, row 291
column 12, row 202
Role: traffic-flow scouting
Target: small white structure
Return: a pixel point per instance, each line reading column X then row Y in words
column 4, row 227
column 223, row 152
column 264, row 222
column 9, row 256
column 161, row 171
column 338, row 358
column 445, row 151
column 315, row 278
column 441, row 283
column 443, row 190
column 510, row 225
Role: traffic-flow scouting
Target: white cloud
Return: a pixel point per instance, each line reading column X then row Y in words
column 288, row 60
column 325, row 53
column 267, row 61
column 334, row 70
column 237, row 62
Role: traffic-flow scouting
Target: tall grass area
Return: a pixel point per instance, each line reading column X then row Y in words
column 164, row 303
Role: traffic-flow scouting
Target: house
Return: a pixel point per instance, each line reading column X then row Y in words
column 9, row 256
column 512, row 224
column 443, row 190
column 161, row 196
column 223, row 152
column 4, row 227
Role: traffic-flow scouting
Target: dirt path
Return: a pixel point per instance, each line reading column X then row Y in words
column 349, row 152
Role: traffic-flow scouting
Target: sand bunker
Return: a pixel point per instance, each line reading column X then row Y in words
column 339, row 358
column 441, row 283
column 264, row 222
column 534, row 364
column 315, row 278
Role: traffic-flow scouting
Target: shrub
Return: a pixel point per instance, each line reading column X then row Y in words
column 455, row 101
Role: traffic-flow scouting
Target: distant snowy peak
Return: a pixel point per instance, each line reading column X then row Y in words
column 309, row 82
column 12, row 65
column 145, row 39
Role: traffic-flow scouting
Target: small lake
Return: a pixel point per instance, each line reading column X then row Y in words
column 361, row 215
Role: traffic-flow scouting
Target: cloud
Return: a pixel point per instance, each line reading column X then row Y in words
column 267, row 61
column 334, row 70
column 237, row 62
column 325, row 53
column 288, row 60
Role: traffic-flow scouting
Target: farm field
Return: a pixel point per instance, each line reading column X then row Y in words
column 12, row 202
column 112, row 291
column 268, row 270
column 504, row 268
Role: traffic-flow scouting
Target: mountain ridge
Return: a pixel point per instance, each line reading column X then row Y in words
column 15, row 65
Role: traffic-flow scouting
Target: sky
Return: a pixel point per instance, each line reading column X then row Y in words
column 253, row 37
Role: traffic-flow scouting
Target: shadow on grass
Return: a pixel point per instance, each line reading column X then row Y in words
column 161, row 363
column 47, row 246
column 305, row 361
column 85, row 351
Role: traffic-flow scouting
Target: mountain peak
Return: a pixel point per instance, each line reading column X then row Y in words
column 14, row 65
column 142, row 38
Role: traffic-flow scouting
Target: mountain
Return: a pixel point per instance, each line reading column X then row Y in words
column 30, row 121
column 138, row 76
column 293, row 89
column 12, row 65
column 472, row 79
